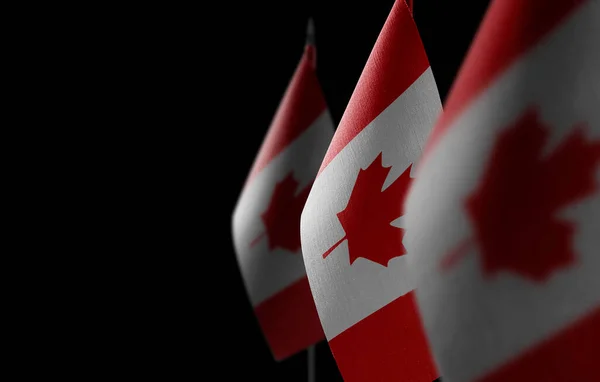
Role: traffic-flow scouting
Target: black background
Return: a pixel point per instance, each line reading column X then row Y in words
column 212, row 80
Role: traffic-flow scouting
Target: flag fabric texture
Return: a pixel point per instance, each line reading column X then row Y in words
column 503, row 219
column 266, row 219
column 351, row 226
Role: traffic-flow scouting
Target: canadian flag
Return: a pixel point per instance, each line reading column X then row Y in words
column 266, row 219
column 503, row 219
column 352, row 223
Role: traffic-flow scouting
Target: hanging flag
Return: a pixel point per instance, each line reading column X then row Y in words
column 352, row 223
column 266, row 220
column 503, row 226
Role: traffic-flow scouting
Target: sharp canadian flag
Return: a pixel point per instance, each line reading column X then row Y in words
column 503, row 226
column 266, row 220
column 351, row 226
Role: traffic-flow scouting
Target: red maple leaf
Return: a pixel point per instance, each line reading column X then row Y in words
column 282, row 217
column 515, row 208
column 369, row 212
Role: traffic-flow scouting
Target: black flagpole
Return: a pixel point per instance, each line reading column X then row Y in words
column 311, row 351
column 311, row 363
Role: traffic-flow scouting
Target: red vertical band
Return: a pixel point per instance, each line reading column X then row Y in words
column 509, row 29
column 570, row 355
column 302, row 103
column 397, row 60
column 388, row 345
column 289, row 320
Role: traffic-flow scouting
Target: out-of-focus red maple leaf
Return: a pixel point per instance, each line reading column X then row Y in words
column 515, row 208
column 282, row 217
column 369, row 212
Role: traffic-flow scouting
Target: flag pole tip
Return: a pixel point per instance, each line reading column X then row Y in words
column 310, row 31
